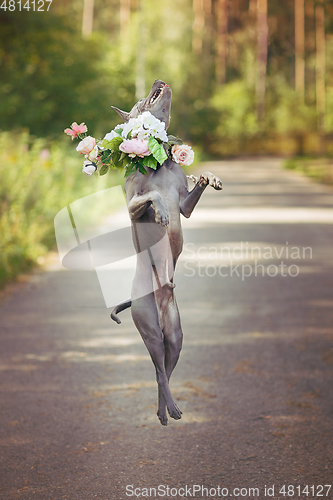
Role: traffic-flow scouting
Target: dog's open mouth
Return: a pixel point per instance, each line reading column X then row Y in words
column 157, row 94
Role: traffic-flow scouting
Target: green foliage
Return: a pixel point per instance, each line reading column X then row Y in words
column 172, row 140
column 38, row 179
column 50, row 76
column 235, row 104
column 150, row 162
column 115, row 158
column 319, row 169
column 287, row 113
column 104, row 169
column 157, row 150
column 113, row 144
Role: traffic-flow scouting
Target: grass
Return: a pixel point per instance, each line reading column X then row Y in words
column 38, row 179
column 319, row 169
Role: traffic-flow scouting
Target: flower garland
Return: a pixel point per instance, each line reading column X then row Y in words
column 139, row 143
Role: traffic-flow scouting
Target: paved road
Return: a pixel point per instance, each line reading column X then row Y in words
column 254, row 381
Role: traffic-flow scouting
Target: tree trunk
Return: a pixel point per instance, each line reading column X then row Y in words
column 198, row 26
column 140, row 84
column 221, row 42
column 253, row 7
column 299, row 48
column 262, row 40
column 87, row 18
column 320, row 72
column 125, row 15
column 310, row 47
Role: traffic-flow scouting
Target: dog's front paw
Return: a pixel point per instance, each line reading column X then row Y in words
column 211, row 179
column 161, row 216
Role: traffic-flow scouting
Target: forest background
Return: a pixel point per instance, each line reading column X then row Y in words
column 248, row 77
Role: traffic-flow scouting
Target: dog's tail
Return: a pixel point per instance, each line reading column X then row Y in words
column 118, row 309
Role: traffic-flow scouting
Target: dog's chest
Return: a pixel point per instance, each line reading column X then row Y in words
column 166, row 184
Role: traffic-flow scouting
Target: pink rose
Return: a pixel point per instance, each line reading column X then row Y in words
column 76, row 129
column 183, row 154
column 86, row 145
column 134, row 147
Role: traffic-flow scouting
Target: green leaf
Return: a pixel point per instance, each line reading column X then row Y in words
column 157, row 150
column 131, row 169
column 172, row 139
column 105, row 156
column 142, row 169
column 150, row 162
column 113, row 144
column 119, row 159
column 104, row 169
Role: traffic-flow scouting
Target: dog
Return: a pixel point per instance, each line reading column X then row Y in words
column 155, row 204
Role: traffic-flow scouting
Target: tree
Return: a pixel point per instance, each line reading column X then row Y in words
column 262, row 40
column 198, row 26
column 299, row 48
column 320, row 70
column 221, row 40
column 51, row 77
column 87, row 18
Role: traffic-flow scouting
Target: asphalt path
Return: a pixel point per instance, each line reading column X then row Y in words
column 254, row 380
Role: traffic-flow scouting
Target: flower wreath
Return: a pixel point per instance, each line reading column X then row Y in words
column 141, row 142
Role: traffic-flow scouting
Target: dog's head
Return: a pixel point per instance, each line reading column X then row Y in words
column 158, row 103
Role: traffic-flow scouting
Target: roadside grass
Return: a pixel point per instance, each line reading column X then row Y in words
column 319, row 169
column 38, row 178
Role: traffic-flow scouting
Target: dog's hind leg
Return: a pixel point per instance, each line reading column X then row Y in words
column 173, row 338
column 146, row 318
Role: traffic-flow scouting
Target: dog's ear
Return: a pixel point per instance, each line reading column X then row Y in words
column 124, row 115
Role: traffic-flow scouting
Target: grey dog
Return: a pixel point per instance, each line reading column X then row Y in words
column 155, row 203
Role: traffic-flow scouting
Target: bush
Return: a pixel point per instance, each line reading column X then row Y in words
column 37, row 180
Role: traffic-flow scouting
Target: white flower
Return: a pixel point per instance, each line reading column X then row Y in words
column 144, row 126
column 132, row 127
column 88, row 167
column 148, row 119
column 160, row 133
column 153, row 126
column 111, row 135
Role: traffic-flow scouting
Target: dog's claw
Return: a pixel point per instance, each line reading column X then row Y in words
column 217, row 184
column 175, row 412
column 162, row 418
column 212, row 180
column 161, row 218
column 193, row 178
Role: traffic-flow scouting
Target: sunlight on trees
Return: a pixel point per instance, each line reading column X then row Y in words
column 240, row 68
